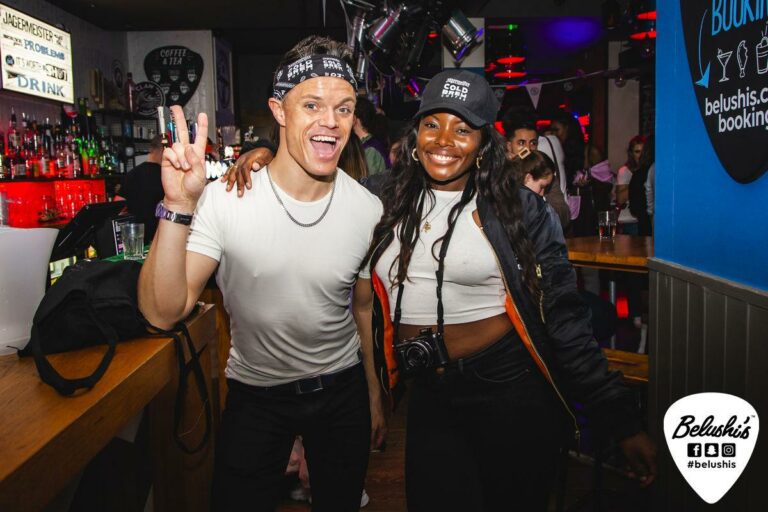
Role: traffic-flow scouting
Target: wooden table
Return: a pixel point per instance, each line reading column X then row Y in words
column 633, row 366
column 46, row 439
column 623, row 253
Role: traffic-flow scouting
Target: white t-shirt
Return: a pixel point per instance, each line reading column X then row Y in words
column 623, row 178
column 472, row 285
column 550, row 145
column 286, row 287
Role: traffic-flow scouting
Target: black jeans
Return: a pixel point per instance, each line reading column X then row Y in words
column 485, row 435
column 258, row 428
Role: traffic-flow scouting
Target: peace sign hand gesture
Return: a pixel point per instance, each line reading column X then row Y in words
column 183, row 165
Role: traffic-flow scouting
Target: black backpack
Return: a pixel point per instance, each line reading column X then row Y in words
column 96, row 303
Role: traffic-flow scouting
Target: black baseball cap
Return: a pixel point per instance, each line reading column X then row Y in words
column 463, row 93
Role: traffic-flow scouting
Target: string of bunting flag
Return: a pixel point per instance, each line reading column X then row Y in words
column 534, row 89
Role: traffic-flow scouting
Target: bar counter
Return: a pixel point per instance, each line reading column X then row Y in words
column 47, row 439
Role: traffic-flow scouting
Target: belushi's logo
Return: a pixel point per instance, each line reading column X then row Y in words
column 711, row 437
column 727, row 46
column 708, row 428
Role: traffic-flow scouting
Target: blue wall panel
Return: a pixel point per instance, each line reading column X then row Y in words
column 704, row 219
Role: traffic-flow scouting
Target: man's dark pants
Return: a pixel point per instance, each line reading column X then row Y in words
column 258, row 428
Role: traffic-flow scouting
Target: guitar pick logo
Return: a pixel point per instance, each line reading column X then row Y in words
column 727, row 46
column 176, row 70
column 711, row 437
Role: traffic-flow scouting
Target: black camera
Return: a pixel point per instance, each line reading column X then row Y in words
column 427, row 350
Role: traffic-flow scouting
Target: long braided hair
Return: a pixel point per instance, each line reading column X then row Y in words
column 406, row 192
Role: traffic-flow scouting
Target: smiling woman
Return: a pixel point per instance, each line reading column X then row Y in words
column 475, row 299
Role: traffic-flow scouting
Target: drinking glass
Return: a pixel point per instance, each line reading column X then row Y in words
column 606, row 223
column 133, row 241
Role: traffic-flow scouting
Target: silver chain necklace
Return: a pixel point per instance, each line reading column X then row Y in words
column 302, row 224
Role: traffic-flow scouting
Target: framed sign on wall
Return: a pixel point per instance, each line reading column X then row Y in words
column 35, row 57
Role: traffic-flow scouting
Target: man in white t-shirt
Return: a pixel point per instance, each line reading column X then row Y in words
column 288, row 255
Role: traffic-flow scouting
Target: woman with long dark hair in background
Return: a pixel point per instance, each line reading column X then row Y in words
column 579, row 158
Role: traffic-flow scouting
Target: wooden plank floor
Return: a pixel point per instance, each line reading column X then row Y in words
column 385, row 482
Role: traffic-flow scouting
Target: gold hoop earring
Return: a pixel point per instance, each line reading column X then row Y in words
column 478, row 161
column 413, row 155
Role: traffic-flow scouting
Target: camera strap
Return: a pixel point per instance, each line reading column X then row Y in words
column 438, row 274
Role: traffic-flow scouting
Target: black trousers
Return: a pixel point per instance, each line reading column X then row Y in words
column 485, row 435
column 258, row 428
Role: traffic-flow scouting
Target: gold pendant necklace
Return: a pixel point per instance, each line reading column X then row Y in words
column 427, row 226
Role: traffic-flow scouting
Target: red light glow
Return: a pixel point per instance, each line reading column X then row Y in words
column 510, row 74
column 499, row 127
column 639, row 36
column 510, row 60
column 647, row 16
column 434, row 35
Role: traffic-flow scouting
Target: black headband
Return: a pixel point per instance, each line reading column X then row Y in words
column 312, row 66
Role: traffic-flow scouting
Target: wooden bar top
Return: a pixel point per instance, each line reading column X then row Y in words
column 624, row 252
column 46, row 438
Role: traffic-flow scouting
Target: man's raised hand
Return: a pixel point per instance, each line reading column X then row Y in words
column 183, row 166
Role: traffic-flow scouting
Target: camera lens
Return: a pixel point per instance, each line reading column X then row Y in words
column 417, row 357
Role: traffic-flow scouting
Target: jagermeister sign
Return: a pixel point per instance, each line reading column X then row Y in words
column 727, row 47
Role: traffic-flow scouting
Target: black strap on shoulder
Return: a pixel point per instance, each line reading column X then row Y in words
column 398, row 311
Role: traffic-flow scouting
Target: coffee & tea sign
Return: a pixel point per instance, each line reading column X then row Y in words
column 177, row 70
column 727, row 46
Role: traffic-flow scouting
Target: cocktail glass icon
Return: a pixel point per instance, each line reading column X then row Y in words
column 724, row 57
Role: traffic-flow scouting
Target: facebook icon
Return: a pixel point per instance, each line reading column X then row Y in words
column 694, row 449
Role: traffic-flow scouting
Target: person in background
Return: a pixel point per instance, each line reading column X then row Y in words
column 650, row 192
column 142, row 189
column 568, row 131
column 520, row 128
column 352, row 159
column 639, row 204
column 627, row 221
column 301, row 358
column 376, row 155
column 535, row 171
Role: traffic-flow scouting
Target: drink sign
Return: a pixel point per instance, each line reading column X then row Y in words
column 727, row 47
column 177, row 70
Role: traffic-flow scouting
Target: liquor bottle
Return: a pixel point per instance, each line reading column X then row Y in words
column 13, row 135
column 5, row 170
column 19, row 169
column 93, row 157
column 130, row 93
column 26, row 133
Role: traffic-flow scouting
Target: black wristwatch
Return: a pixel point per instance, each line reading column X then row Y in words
column 161, row 212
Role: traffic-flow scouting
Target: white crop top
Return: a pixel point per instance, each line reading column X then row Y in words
column 472, row 284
